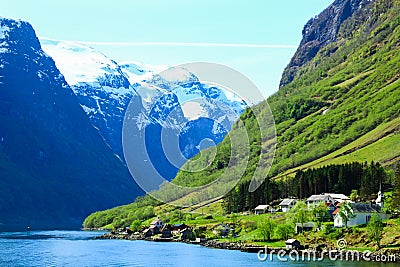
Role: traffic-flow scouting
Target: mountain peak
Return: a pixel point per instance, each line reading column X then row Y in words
column 321, row 31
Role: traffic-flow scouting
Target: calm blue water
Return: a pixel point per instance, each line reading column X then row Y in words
column 76, row 248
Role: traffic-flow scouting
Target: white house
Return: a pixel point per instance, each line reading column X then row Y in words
column 287, row 204
column 314, row 200
column 363, row 213
column 338, row 197
column 261, row 209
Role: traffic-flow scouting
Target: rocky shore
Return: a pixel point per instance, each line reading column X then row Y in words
column 206, row 243
column 391, row 255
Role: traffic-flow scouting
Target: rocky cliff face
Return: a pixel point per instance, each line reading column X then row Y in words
column 55, row 167
column 321, row 31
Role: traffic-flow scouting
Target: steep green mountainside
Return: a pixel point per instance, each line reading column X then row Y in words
column 342, row 105
column 346, row 97
column 349, row 89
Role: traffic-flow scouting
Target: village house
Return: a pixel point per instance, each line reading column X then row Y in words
column 304, row 227
column 147, row 232
column 166, row 231
column 331, row 198
column 261, row 209
column 287, row 204
column 185, row 234
column 292, row 244
column 154, row 229
column 157, row 222
column 362, row 214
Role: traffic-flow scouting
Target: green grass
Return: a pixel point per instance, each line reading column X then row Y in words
column 374, row 145
column 361, row 249
column 272, row 244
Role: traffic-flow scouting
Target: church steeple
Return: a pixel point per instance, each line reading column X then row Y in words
column 379, row 199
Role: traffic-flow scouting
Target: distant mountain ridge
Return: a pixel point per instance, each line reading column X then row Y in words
column 104, row 89
column 55, row 167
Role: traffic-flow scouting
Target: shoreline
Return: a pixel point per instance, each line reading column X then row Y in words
column 343, row 255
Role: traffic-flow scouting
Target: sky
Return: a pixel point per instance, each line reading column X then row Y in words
column 256, row 37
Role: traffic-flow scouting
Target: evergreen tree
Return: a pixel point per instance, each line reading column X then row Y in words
column 396, row 190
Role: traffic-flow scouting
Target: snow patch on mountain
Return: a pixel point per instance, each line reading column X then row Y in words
column 79, row 63
column 138, row 72
column 4, row 31
column 164, row 98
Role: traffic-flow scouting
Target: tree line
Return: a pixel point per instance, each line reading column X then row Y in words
column 339, row 178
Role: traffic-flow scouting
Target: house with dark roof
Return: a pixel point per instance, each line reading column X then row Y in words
column 147, row 232
column 362, row 214
column 154, row 229
column 166, row 231
column 185, row 234
column 178, row 227
column 287, row 204
column 304, row 227
column 292, row 244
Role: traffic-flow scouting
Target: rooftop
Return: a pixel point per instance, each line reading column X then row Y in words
column 155, row 221
column 262, row 207
column 321, row 197
column 363, row 207
column 287, row 202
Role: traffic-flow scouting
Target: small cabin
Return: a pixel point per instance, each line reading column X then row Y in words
column 157, row 222
column 178, row 227
column 287, row 204
column 304, row 227
column 155, row 230
column 261, row 209
column 147, row 232
column 166, row 231
column 185, row 234
column 293, row 244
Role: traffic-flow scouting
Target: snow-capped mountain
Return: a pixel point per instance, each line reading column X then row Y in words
column 172, row 98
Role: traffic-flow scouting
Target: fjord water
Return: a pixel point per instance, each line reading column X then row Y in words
column 77, row 248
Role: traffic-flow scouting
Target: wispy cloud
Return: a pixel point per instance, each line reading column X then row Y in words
column 186, row 44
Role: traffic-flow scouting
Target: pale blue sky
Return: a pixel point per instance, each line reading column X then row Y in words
column 263, row 22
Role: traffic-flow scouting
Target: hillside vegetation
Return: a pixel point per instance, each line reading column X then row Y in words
column 342, row 106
